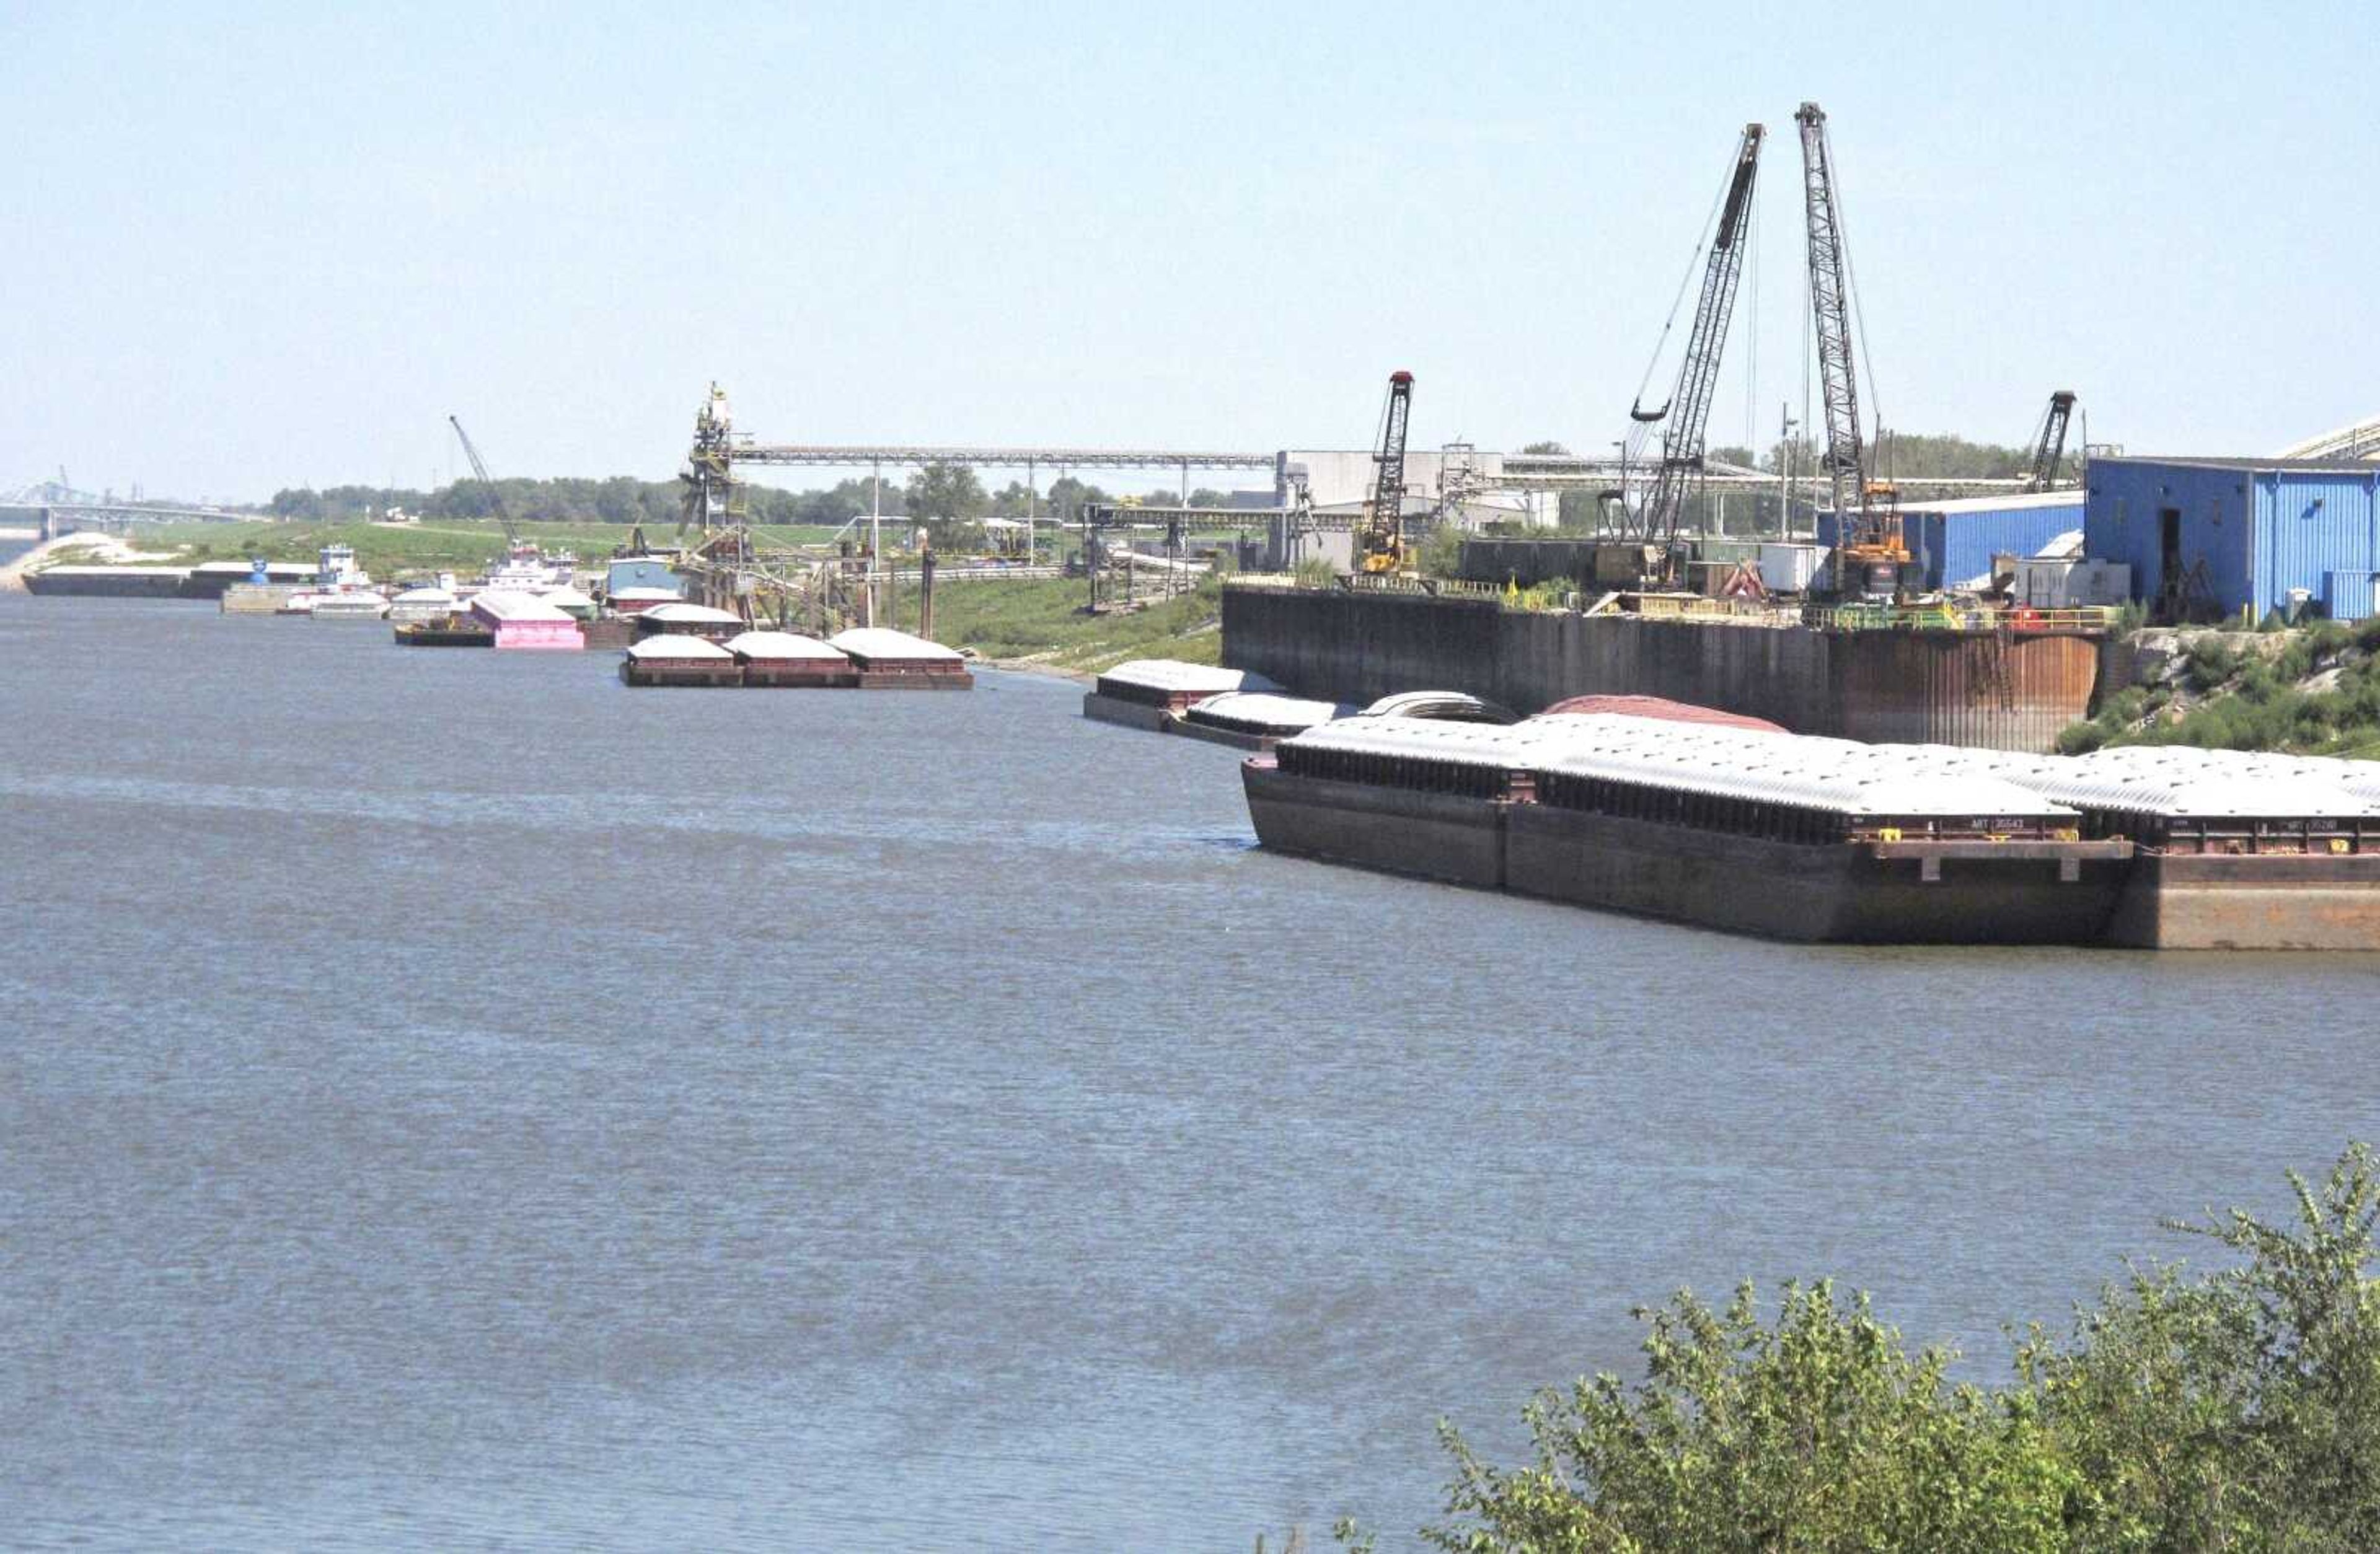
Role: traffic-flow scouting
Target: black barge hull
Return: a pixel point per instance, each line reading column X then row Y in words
column 1851, row 892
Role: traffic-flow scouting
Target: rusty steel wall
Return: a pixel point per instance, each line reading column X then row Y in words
column 2008, row 694
column 2005, row 693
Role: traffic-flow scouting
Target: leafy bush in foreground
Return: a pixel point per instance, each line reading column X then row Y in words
column 2238, row 1409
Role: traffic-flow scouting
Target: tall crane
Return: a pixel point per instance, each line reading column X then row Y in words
column 1380, row 541
column 2049, row 442
column 1688, row 410
column 1868, row 521
column 480, row 468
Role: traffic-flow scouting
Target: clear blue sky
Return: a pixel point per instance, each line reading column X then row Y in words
column 255, row 245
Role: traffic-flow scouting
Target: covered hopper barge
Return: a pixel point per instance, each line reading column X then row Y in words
column 1825, row 840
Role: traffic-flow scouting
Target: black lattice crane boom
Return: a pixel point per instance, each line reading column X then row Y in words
column 1680, row 471
column 2049, row 442
column 1381, row 543
column 480, row 468
column 1867, row 518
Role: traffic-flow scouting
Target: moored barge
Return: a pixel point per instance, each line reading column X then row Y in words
column 1254, row 719
column 451, row 630
column 2231, row 851
column 1798, row 840
column 787, row 661
column 1821, row 838
column 889, row 659
column 1151, row 693
column 681, row 659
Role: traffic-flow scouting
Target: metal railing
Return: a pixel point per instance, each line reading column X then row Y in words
column 1943, row 616
column 1938, row 616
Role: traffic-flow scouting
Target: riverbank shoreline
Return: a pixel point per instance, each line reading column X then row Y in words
column 1038, row 666
column 105, row 550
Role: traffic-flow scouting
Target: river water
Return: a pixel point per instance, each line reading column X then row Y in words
column 449, row 1099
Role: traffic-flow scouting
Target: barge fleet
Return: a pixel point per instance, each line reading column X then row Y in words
column 1246, row 711
column 1828, row 841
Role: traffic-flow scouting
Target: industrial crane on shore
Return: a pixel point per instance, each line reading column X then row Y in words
column 1867, row 517
column 1380, row 540
column 1687, row 411
column 2049, row 442
column 480, row 468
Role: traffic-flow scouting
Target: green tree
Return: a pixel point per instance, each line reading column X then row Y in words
column 951, row 502
column 1820, row 1432
column 2240, row 1410
column 2236, row 1411
column 947, row 492
column 1067, row 496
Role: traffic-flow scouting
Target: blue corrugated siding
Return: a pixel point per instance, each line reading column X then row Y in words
column 2123, row 522
column 2309, row 526
column 2347, row 596
column 1958, row 547
column 639, row 571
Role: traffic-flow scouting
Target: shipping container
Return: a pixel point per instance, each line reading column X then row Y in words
column 1789, row 566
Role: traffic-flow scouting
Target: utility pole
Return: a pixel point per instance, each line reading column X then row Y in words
column 874, row 536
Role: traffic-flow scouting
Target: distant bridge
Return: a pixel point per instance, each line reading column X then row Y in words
column 54, row 518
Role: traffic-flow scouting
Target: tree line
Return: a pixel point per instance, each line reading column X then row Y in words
column 938, row 493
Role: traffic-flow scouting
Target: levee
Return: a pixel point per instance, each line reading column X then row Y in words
column 2002, row 690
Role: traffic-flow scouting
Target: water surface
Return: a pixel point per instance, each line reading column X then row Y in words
column 447, row 1098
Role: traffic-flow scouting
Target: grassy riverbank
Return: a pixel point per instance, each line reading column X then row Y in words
column 1039, row 624
column 393, row 551
column 2312, row 690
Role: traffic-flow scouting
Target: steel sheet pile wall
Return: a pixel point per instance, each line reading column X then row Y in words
column 1936, row 689
column 2013, row 694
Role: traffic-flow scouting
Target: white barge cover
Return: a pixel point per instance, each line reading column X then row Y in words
column 1175, row 677
column 1832, row 775
column 504, row 606
column 692, row 614
column 668, row 647
column 883, row 642
column 1262, row 712
column 2189, row 788
column 2358, row 778
column 777, row 647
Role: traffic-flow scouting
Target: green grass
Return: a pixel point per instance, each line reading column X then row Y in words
column 394, row 551
column 1043, row 620
column 2231, row 697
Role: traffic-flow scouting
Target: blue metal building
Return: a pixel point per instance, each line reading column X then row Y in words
column 639, row 571
column 2234, row 535
column 1955, row 541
